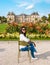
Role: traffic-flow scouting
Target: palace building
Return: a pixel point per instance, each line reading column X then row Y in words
column 34, row 17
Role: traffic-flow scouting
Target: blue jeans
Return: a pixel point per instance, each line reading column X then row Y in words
column 31, row 48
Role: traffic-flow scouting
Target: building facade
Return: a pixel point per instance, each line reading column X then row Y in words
column 11, row 17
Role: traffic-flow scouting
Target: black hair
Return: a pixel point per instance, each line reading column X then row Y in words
column 21, row 30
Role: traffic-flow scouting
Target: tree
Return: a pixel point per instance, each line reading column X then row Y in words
column 0, row 19
column 44, row 18
column 3, row 19
column 48, row 17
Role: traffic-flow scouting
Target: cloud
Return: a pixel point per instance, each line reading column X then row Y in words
column 29, row 4
column 47, row 1
column 36, row 1
column 23, row 4
column 29, row 7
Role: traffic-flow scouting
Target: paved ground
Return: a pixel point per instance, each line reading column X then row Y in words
column 9, row 51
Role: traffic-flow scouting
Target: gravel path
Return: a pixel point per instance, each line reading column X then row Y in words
column 9, row 52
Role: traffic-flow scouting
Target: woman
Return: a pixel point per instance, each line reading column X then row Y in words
column 24, row 38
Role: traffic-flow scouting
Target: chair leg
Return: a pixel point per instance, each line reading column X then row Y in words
column 29, row 56
column 18, row 55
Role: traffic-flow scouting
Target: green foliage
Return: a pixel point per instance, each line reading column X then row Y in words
column 48, row 26
column 48, row 17
column 35, row 31
column 12, row 29
column 3, row 19
column 44, row 18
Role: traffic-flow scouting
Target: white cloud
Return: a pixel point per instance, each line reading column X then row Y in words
column 29, row 7
column 23, row 4
column 48, row 1
column 36, row 1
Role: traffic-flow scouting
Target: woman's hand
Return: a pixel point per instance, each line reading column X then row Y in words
column 34, row 44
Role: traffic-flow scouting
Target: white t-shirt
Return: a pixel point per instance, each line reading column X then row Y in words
column 23, row 38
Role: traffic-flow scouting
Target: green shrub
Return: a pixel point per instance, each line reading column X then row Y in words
column 12, row 29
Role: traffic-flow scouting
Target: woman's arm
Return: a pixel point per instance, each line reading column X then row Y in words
column 32, row 43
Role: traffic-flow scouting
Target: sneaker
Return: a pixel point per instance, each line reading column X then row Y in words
column 34, row 58
column 36, row 53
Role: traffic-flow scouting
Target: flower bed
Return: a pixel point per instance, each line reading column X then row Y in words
column 31, row 36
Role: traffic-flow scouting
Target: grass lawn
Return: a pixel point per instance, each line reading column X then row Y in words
column 3, row 26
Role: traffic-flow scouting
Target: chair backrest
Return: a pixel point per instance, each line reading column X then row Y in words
column 23, row 43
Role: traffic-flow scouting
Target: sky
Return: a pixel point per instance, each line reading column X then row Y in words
column 24, row 6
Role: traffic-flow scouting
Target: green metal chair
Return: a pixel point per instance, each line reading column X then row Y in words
column 23, row 43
